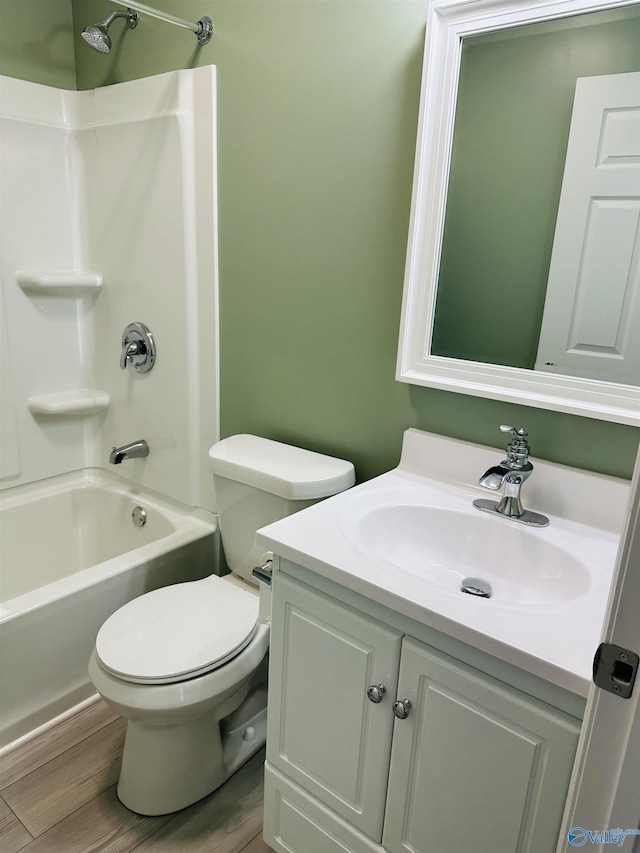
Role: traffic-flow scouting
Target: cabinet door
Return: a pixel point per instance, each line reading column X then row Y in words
column 323, row 732
column 476, row 766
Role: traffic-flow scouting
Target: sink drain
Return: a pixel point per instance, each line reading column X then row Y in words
column 476, row 586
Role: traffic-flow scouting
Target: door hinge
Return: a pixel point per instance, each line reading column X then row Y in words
column 615, row 669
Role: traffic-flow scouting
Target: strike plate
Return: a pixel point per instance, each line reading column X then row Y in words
column 615, row 669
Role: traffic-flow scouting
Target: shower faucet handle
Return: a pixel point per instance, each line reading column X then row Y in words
column 138, row 348
column 134, row 348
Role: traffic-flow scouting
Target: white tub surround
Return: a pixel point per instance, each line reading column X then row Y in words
column 124, row 231
column 71, row 555
column 550, row 631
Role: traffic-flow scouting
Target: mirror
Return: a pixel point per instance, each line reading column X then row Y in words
column 495, row 116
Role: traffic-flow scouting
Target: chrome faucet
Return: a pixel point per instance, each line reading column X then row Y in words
column 511, row 473
column 135, row 450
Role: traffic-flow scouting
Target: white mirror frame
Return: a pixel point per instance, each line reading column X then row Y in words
column 448, row 22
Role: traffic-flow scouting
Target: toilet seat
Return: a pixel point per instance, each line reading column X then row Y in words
column 178, row 632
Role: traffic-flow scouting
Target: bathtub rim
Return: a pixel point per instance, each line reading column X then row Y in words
column 189, row 523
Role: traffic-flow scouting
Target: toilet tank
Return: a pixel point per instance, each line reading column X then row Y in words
column 258, row 481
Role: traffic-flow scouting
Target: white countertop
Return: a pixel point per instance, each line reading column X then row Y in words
column 555, row 640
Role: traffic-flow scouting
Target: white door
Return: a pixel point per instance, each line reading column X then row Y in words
column 604, row 793
column 591, row 320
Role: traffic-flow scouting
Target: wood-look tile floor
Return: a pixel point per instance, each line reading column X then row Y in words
column 58, row 795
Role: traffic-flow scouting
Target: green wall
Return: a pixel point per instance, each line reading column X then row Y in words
column 512, row 127
column 36, row 41
column 317, row 116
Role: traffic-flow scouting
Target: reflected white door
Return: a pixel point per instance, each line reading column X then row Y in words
column 591, row 321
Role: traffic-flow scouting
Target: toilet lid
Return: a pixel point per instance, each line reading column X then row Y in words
column 178, row 632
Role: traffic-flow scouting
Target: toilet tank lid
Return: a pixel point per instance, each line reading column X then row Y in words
column 281, row 469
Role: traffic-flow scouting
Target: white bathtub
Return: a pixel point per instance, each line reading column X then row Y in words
column 70, row 555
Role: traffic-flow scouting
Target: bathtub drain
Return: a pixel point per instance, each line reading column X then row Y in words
column 139, row 516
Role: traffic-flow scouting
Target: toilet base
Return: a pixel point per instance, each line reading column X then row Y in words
column 167, row 768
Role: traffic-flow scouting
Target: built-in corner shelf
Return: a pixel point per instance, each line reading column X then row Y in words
column 77, row 402
column 59, row 282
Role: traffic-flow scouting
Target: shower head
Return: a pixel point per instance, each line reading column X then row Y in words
column 97, row 35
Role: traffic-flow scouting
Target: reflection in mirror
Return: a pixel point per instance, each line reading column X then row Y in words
column 518, row 254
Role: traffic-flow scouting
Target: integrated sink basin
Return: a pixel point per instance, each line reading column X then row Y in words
column 407, row 539
column 445, row 545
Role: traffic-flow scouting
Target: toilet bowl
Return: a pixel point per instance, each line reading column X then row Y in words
column 186, row 664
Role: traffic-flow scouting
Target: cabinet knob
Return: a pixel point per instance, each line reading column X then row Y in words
column 401, row 708
column 376, row 692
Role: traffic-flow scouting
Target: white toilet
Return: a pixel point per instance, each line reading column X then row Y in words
column 186, row 664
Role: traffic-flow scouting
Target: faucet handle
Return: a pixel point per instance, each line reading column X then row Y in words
column 521, row 433
column 517, row 449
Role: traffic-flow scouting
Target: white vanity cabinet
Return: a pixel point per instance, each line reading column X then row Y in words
column 477, row 766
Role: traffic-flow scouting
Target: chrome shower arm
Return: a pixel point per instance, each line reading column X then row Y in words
column 203, row 28
column 132, row 21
